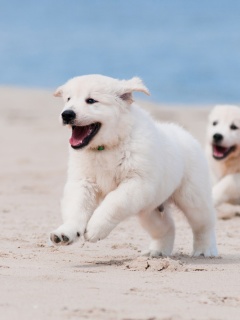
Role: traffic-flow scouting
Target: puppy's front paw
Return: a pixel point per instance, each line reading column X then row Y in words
column 93, row 234
column 64, row 235
column 97, row 230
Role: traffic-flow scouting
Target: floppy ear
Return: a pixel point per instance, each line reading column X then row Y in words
column 129, row 86
column 58, row 92
column 136, row 84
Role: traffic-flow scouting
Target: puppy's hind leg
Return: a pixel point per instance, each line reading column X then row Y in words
column 160, row 226
column 195, row 202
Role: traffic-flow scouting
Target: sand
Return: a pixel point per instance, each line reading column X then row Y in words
column 109, row 279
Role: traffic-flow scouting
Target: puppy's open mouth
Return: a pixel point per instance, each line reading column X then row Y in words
column 220, row 152
column 82, row 135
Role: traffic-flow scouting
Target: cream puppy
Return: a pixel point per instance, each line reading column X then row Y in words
column 223, row 151
column 122, row 163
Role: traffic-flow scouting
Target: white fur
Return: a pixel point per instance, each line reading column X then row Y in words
column 144, row 164
column 225, row 172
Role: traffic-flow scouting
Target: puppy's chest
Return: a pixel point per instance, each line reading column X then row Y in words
column 107, row 171
column 229, row 166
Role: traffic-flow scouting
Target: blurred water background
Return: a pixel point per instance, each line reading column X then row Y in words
column 186, row 51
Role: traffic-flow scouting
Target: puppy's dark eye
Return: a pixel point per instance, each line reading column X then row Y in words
column 90, row 101
column 214, row 123
column 68, row 98
column 233, row 127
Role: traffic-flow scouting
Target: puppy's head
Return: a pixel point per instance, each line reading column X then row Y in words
column 97, row 109
column 224, row 132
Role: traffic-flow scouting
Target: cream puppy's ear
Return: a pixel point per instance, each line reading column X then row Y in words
column 129, row 86
column 58, row 92
column 136, row 84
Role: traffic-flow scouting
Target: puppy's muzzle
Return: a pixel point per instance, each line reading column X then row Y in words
column 217, row 137
column 68, row 116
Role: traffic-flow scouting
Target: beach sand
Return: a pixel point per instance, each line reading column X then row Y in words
column 109, row 279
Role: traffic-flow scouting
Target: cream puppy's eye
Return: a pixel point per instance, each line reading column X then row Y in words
column 90, row 101
column 68, row 99
column 215, row 123
column 233, row 127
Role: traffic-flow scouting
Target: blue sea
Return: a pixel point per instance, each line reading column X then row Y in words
column 186, row 51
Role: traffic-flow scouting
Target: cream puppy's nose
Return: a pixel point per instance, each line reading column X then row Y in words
column 217, row 137
column 68, row 116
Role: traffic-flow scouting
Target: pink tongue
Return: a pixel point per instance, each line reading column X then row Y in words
column 219, row 151
column 78, row 135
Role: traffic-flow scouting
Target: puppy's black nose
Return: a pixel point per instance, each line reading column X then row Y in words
column 217, row 137
column 68, row 116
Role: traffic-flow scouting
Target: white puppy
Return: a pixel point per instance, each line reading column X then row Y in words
column 122, row 163
column 223, row 151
